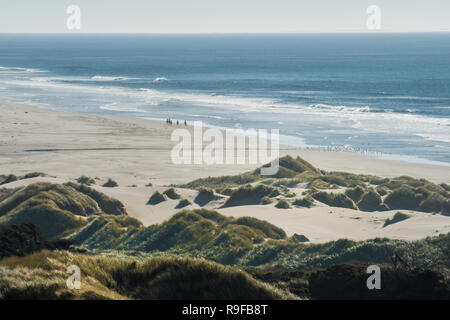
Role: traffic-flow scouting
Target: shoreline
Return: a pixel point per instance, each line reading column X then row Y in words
column 289, row 142
column 144, row 146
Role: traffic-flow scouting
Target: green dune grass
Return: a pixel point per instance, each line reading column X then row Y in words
column 247, row 195
column 43, row 275
column 55, row 208
column 379, row 193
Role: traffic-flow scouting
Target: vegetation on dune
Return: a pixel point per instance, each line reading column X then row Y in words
column 250, row 242
column 244, row 242
column 86, row 180
column 401, row 192
column 288, row 167
column 248, row 194
column 319, row 184
column 206, row 192
column 203, row 232
column 156, row 198
column 269, row 230
column 110, row 183
column 334, row 199
column 306, row 201
column 103, row 232
column 435, row 202
column 426, row 253
column 55, row 208
column 398, row 193
column 9, row 178
column 294, row 281
column 266, row 200
column 6, row 192
column 371, row 201
column 282, row 204
column 172, row 194
column 398, row 216
column 397, row 182
column 204, row 196
column 19, row 240
column 224, row 191
column 304, row 177
column 183, row 203
column 355, row 193
column 348, row 281
column 140, row 262
column 107, row 204
column 382, row 191
column 43, row 276
column 300, row 237
column 425, row 197
column 417, row 194
column 4, row 179
column 297, row 164
column 222, row 182
column 404, row 197
column 345, row 179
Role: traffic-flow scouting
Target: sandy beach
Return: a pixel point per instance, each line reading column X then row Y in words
column 136, row 152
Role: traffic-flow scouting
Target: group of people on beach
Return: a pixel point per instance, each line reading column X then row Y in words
column 170, row 122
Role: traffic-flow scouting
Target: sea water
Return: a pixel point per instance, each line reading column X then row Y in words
column 382, row 94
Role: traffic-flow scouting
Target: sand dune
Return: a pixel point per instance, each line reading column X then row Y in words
column 319, row 224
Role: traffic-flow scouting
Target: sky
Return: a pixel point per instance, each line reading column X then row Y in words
column 223, row 16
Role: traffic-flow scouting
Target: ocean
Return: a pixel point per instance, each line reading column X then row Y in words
column 387, row 95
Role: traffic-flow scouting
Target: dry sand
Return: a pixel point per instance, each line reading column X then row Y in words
column 137, row 151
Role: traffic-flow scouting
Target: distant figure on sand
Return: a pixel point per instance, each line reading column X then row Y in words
column 185, row 123
column 178, row 123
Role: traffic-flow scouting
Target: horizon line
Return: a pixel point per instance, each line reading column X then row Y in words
column 220, row 33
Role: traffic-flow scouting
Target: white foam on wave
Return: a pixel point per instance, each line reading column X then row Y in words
column 206, row 116
column 388, row 97
column 345, row 109
column 117, row 107
column 110, row 78
column 435, row 137
column 160, row 79
column 20, row 69
column 360, row 117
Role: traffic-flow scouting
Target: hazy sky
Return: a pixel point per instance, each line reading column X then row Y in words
column 223, row 16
